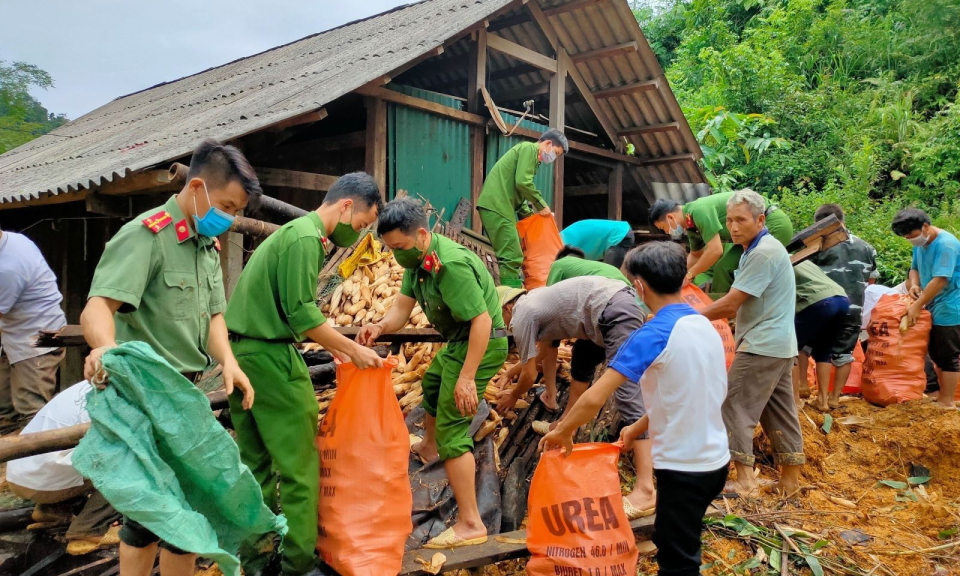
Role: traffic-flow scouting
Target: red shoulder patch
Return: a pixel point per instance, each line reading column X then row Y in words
column 690, row 224
column 158, row 221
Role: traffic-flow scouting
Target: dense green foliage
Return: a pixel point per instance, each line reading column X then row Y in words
column 812, row 101
column 22, row 118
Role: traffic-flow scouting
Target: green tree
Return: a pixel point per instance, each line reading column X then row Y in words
column 22, row 118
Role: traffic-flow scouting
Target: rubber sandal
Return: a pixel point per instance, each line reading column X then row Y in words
column 541, row 427
column 82, row 546
column 448, row 539
column 542, row 401
column 634, row 513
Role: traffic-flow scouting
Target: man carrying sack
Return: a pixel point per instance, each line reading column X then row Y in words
column 273, row 308
column 159, row 282
column 508, row 185
column 456, row 292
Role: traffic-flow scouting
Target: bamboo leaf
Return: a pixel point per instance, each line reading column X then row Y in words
column 895, row 484
column 814, row 565
column 918, row 480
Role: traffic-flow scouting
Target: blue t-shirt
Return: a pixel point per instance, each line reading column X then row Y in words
column 940, row 259
column 594, row 237
column 677, row 357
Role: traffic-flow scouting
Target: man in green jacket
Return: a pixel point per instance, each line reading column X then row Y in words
column 272, row 308
column 508, row 185
column 456, row 292
column 159, row 282
column 712, row 252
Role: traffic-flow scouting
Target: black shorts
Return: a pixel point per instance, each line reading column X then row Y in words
column 829, row 330
column 945, row 347
column 137, row 535
column 615, row 254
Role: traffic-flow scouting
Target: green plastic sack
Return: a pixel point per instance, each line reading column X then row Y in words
column 157, row 454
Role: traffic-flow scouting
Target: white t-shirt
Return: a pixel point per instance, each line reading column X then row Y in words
column 53, row 470
column 677, row 357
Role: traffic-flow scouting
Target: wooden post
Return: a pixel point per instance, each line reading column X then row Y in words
column 477, row 72
column 476, row 82
column 376, row 155
column 231, row 260
column 558, row 89
column 615, row 194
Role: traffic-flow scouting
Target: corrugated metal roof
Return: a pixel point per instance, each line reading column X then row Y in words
column 167, row 121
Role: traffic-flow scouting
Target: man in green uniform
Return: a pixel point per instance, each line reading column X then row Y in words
column 159, row 282
column 571, row 262
column 273, row 307
column 508, row 185
column 456, row 292
column 712, row 252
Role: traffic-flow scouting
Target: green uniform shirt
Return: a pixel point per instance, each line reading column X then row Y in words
column 813, row 285
column 573, row 267
column 169, row 282
column 511, row 181
column 709, row 215
column 276, row 295
column 453, row 287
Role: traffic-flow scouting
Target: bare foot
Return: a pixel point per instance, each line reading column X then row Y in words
column 833, row 402
column 819, row 405
column 783, row 489
column 550, row 401
column 744, row 491
column 469, row 530
column 642, row 501
column 426, row 454
column 949, row 406
column 804, row 390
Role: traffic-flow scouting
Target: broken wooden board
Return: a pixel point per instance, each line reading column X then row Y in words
column 820, row 237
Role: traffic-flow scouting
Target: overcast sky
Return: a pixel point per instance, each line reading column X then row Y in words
column 97, row 50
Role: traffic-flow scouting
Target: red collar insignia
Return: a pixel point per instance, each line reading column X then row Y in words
column 690, row 225
column 325, row 242
column 183, row 231
column 216, row 244
column 432, row 262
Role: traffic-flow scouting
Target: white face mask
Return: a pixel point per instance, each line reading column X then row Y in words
column 919, row 241
column 676, row 231
column 547, row 157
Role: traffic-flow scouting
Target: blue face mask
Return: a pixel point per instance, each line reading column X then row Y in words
column 215, row 222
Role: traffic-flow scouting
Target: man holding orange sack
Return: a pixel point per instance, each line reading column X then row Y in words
column 456, row 292
column 508, row 185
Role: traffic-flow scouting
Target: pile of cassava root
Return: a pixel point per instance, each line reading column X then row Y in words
column 364, row 298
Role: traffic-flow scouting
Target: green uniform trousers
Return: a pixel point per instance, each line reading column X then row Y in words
column 780, row 228
column 277, row 436
column 439, row 382
column 502, row 232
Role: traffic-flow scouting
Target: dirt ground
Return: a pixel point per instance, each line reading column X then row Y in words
column 842, row 493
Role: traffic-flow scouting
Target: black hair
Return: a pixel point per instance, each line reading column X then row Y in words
column 219, row 164
column 908, row 220
column 569, row 250
column 827, row 210
column 661, row 208
column 557, row 138
column 359, row 187
column 404, row 214
column 662, row 265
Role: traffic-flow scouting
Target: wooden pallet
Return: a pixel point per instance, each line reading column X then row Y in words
column 820, row 237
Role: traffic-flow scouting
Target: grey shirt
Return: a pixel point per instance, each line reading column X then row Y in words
column 765, row 321
column 29, row 297
column 568, row 309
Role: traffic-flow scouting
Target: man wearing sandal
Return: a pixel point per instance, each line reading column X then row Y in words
column 678, row 359
column 601, row 313
column 457, row 293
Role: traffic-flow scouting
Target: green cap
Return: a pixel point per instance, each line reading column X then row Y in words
column 508, row 294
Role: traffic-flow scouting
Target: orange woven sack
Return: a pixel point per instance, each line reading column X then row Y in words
column 365, row 498
column 697, row 298
column 853, row 381
column 893, row 372
column 540, row 241
column 577, row 524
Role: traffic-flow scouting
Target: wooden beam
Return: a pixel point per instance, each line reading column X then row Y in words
column 508, row 21
column 376, row 146
column 231, row 259
column 570, row 6
column 571, row 69
column 615, row 194
column 280, row 208
column 308, row 118
column 110, row 205
column 606, row 52
column 477, row 153
column 646, row 85
column 418, row 60
column 253, row 228
column 348, row 141
column 558, row 191
column 295, row 179
column 149, row 181
column 421, row 104
column 586, row 190
column 651, row 129
column 668, row 159
column 477, row 72
column 558, row 92
column 521, row 53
